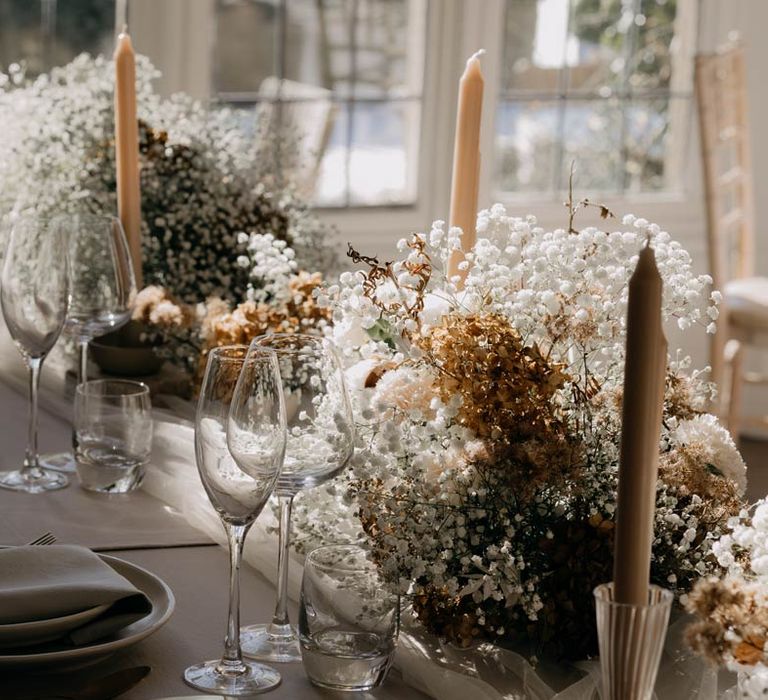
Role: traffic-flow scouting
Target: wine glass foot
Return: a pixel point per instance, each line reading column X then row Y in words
column 18, row 480
column 254, row 678
column 59, row 462
column 261, row 642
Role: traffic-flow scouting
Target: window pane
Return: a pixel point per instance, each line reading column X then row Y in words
column 592, row 140
column 370, row 158
column 384, row 153
column 650, row 66
column 654, row 161
column 600, row 33
column 47, row 33
column 534, row 46
column 525, row 145
column 246, row 44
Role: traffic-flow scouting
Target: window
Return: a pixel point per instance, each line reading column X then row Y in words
column 347, row 73
column 604, row 83
column 46, row 33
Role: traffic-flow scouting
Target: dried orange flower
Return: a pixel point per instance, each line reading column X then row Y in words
column 299, row 313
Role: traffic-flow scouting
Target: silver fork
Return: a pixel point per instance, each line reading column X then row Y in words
column 47, row 538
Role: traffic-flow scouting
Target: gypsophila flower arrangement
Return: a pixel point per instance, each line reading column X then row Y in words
column 209, row 191
column 732, row 626
column 489, row 425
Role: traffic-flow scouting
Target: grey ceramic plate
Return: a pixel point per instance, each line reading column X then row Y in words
column 154, row 588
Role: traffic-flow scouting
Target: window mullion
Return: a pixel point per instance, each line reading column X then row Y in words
column 630, row 50
column 562, row 90
column 352, row 87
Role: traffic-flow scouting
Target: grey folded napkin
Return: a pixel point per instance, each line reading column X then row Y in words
column 40, row 583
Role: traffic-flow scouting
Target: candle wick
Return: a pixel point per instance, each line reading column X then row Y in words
column 476, row 56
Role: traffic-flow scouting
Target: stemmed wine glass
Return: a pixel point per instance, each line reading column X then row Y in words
column 103, row 286
column 34, row 292
column 320, row 443
column 240, row 437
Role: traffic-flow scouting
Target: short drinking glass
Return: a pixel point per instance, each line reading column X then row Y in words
column 348, row 620
column 113, row 434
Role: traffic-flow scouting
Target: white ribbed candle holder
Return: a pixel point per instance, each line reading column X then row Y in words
column 631, row 639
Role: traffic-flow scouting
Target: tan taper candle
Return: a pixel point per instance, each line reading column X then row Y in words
column 466, row 162
column 644, row 373
column 127, row 149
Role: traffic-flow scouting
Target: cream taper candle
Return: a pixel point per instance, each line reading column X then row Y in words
column 127, row 149
column 466, row 162
column 644, row 372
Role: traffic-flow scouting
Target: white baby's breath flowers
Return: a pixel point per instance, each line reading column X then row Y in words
column 212, row 206
column 753, row 681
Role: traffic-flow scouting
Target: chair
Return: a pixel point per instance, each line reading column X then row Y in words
column 743, row 323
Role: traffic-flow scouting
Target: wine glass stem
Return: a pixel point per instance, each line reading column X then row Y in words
column 233, row 660
column 82, row 368
column 281, row 609
column 31, row 464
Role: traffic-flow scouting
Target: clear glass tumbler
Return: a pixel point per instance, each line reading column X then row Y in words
column 113, row 434
column 631, row 639
column 348, row 620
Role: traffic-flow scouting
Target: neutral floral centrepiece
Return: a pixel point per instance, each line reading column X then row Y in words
column 219, row 226
column 489, row 424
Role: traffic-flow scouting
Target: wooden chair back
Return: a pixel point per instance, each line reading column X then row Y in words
column 721, row 95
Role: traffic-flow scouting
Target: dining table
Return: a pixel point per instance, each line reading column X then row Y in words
column 143, row 530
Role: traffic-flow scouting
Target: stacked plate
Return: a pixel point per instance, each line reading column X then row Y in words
column 39, row 644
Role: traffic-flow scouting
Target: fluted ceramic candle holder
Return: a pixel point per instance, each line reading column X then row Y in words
column 631, row 639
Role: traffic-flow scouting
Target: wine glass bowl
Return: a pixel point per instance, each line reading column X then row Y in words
column 102, row 277
column 34, row 295
column 256, row 424
column 320, row 442
column 35, row 285
column 239, row 448
column 318, row 413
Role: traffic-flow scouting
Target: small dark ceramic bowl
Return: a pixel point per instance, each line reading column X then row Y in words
column 124, row 354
